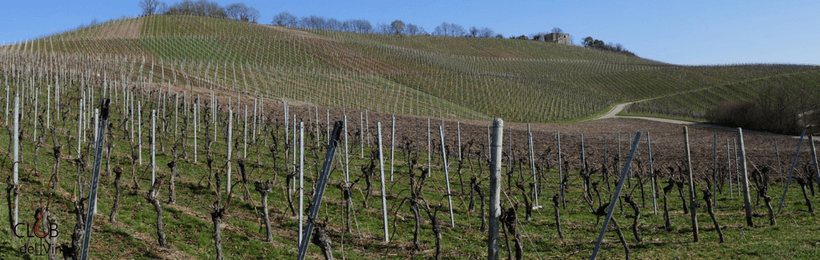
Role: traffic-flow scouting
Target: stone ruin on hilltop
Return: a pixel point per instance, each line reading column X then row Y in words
column 560, row 38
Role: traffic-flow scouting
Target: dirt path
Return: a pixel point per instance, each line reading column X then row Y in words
column 613, row 113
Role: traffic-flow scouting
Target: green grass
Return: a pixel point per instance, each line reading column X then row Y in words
column 189, row 229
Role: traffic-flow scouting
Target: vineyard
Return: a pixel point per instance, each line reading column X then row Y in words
column 417, row 75
column 693, row 105
column 243, row 141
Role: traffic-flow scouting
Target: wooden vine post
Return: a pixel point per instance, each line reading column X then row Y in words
column 729, row 167
column 651, row 173
column 714, row 171
column 814, row 160
column 153, row 146
column 794, row 163
column 347, row 152
column 747, row 201
column 532, row 166
column 617, row 193
column 16, row 161
column 392, row 144
column 446, row 175
column 196, row 120
column 139, row 130
column 301, row 178
column 229, row 146
column 495, row 188
column 692, row 198
column 560, row 171
column 381, row 170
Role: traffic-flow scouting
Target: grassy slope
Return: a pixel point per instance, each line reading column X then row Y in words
column 693, row 105
column 188, row 227
column 472, row 78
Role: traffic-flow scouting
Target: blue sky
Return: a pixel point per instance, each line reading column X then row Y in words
column 679, row 32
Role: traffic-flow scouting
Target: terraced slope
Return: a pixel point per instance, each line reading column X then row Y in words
column 470, row 78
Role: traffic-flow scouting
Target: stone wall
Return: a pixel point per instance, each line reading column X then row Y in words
column 560, row 38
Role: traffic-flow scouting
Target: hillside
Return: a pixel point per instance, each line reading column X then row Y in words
column 208, row 95
column 468, row 78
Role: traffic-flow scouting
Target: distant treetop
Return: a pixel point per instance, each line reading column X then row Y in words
column 237, row 11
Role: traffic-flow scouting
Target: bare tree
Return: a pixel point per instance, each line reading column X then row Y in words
column 473, row 31
column 312, row 22
column 442, row 30
column 397, row 26
column 449, row 30
column 486, row 32
column 334, row 25
column 162, row 8
column 242, row 12
column 362, row 26
column 384, row 28
column 412, row 29
column 284, row 19
column 149, row 7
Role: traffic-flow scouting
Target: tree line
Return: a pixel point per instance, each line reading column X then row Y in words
column 242, row 12
column 396, row 27
column 237, row 11
column 590, row 42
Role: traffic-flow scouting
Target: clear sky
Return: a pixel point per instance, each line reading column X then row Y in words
column 681, row 32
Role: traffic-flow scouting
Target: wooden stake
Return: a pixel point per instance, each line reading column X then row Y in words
column 651, row 172
column 692, row 198
column 196, row 121
column 814, row 159
column 746, row 199
column 495, row 188
column 446, row 175
column 532, row 166
column 560, row 172
column 7, row 104
column 139, row 130
column 779, row 165
column 347, row 154
column 615, row 196
column 245, row 134
column 392, row 144
column 381, row 169
column 429, row 148
column 301, row 178
column 729, row 164
column 361, row 133
column 153, row 146
column 16, row 161
column 714, row 172
column 229, row 144
column 794, row 163
column 36, row 96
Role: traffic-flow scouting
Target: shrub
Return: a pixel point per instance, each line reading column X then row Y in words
column 777, row 109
